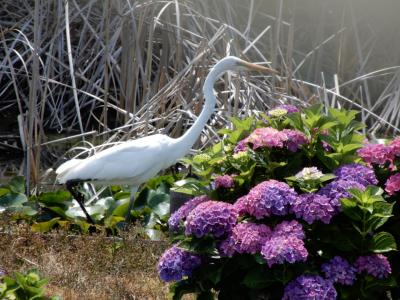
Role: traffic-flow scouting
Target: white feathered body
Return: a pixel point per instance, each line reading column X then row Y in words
column 132, row 162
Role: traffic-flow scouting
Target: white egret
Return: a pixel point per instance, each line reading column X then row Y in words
column 133, row 162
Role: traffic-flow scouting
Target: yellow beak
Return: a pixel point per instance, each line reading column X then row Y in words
column 258, row 68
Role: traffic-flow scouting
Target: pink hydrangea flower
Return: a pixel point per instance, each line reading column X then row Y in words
column 395, row 146
column 289, row 229
column 267, row 137
column 392, row 185
column 378, row 154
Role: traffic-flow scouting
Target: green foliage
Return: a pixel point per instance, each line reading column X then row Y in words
column 369, row 211
column 13, row 198
column 50, row 210
column 26, row 286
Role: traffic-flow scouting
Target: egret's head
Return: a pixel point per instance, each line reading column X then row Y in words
column 236, row 64
column 230, row 63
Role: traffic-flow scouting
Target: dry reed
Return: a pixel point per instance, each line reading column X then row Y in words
column 131, row 68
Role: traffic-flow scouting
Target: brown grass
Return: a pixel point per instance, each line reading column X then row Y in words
column 86, row 266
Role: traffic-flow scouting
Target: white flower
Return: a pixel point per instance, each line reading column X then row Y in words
column 311, row 173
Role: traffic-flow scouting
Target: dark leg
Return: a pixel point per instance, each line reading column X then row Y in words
column 131, row 203
column 72, row 188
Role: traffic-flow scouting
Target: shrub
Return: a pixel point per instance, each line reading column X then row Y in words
column 290, row 206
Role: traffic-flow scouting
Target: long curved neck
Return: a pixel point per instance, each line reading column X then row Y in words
column 187, row 140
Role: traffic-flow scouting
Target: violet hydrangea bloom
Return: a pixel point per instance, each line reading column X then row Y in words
column 339, row 270
column 310, row 287
column 226, row 248
column 224, row 181
column 211, row 217
column 269, row 197
column 288, row 107
column 378, row 154
column 376, row 265
column 326, row 146
column 289, row 229
column 295, row 139
column 241, row 205
column 282, row 249
column 392, row 185
column 241, row 146
column 358, row 173
column 245, row 238
column 338, row 189
column 179, row 215
column 176, row 263
column 312, row 207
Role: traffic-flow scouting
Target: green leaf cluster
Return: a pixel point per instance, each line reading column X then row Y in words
column 24, row 286
column 368, row 211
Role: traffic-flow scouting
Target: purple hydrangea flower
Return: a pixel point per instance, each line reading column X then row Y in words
column 179, row 215
column 226, row 248
column 310, row 287
column 288, row 229
column 339, row 270
column 392, row 185
column 241, row 146
column 225, row 181
column 281, row 249
column 211, row 217
column 311, row 207
column 376, row 265
column 338, row 189
column 245, row 238
column 358, row 173
column 176, row 263
column 326, row 146
column 295, row 139
column 241, row 205
column 378, row 154
column 267, row 198
column 288, row 107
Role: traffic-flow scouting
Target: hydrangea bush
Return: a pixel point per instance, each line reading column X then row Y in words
column 294, row 205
